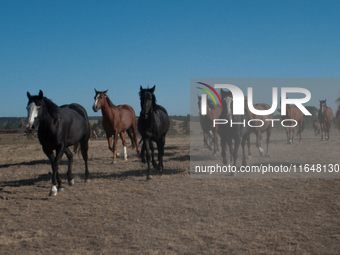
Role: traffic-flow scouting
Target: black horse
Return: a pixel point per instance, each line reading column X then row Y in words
column 153, row 124
column 236, row 129
column 59, row 128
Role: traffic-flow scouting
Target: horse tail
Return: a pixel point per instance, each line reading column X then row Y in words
column 133, row 144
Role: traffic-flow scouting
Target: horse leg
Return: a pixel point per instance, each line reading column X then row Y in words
column 110, row 143
column 147, row 150
column 69, row 170
column 231, row 149
column 288, row 135
column 300, row 130
column 84, row 146
column 244, row 159
column 327, row 129
column 215, row 141
column 205, row 140
column 259, row 141
column 322, row 130
column 134, row 132
column 223, row 150
column 122, row 137
column 293, row 134
column 237, row 145
column 56, row 178
column 142, row 153
column 152, row 149
column 230, row 144
column 269, row 131
column 248, row 145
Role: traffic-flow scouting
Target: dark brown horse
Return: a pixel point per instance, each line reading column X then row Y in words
column 116, row 120
column 325, row 116
column 258, row 120
column 316, row 127
column 337, row 117
column 293, row 113
column 209, row 131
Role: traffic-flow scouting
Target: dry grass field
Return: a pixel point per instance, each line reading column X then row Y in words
column 119, row 212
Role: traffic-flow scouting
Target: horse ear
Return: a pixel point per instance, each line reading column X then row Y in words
column 29, row 95
column 105, row 91
column 41, row 95
column 153, row 88
column 141, row 88
column 96, row 91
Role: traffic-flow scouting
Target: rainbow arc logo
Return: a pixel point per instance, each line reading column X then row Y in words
column 204, row 97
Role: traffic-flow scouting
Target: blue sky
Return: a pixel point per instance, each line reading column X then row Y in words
column 68, row 48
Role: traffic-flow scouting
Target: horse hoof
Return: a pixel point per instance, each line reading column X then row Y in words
column 149, row 177
column 71, row 182
column 233, row 174
column 113, row 162
column 87, row 180
column 61, row 189
column 53, row 191
column 260, row 149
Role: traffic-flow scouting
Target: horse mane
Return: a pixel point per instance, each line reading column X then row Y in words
column 110, row 102
column 52, row 108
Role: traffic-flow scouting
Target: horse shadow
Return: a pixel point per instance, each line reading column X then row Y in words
column 141, row 172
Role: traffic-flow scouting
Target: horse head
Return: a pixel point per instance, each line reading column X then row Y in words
column 34, row 110
column 99, row 100
column 323, row 105
column 227, row 106
column 147, row 101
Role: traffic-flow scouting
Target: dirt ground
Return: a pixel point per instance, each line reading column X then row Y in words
column 119, row 212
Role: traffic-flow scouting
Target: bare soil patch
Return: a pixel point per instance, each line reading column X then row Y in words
column 119, row 212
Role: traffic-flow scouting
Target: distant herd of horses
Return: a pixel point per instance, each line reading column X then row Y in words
column 240, row 134
column 68, row 125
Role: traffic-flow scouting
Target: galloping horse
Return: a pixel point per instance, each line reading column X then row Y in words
column 258, row 129
column 238, row 133
column 325, row 116
column 293, row 113
column 338, row 115
column 116, row 120
column 213, row 112
column 316, row 127
column 59, row 128
column 153, row 124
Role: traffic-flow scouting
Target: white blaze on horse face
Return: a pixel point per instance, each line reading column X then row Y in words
column 32, row 110
column 96, row 101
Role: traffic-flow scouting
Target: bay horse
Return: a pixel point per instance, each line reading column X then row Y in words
column 59, row 128
column 153, row 124
column 325, row 116
column 316, row 127
column 116, row 120
column 258, row 129
column 238, row 132
column 293, row 113
column 206, row 121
